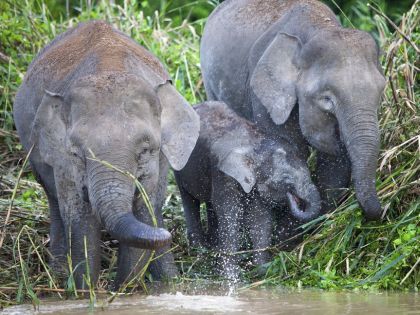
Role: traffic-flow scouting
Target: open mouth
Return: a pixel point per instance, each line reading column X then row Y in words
column 295, row 202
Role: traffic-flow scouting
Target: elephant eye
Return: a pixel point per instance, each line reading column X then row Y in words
column 326, row 98
column 326, row 103
column 146, row 152
column 76, row 154
column 143, row 152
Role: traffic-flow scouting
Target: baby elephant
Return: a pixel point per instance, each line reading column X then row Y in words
column 242, row 177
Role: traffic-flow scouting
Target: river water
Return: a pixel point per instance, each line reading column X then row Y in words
column 251, row 301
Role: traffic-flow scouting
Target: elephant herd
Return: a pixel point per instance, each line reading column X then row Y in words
column 281, row 77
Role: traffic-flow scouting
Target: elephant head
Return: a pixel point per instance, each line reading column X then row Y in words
column 336, row 80
column 277, row 175
column 125, row 121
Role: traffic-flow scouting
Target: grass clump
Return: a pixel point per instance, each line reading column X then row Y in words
column 343, row 251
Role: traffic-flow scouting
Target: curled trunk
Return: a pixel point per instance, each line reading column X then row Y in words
column 111, row 195
column 306, row 206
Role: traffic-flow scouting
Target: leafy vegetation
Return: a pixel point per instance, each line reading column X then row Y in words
column 341, row 252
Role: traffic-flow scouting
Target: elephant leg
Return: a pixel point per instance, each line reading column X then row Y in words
column 227, row 204
column 82, row 230
column 84, row 237
column 332, row 175
column 228, row 241
column 58, row 247
column 163, row 267
column 192, row 217
column 212, row 224
column 131, row 263
column 58, row 244
column 259, row 222
column 287, row 234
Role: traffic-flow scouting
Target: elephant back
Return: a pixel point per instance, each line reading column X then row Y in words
column 90, row 48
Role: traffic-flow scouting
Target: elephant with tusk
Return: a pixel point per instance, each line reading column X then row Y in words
column 93, row 90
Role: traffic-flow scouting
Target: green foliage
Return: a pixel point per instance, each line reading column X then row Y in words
column 355, row 12
column 343, row 251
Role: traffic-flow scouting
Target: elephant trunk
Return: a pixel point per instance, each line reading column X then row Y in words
column 111, row 195
column 305, row 205
column 360, row 134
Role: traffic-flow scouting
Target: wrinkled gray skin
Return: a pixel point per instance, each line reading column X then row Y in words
column 263, row 57
column 95, row 90
column 242, row 178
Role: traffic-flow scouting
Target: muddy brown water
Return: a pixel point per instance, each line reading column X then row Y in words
column 250, row 301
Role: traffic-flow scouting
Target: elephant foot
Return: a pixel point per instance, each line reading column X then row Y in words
column 58, row 265
column 163, row 272
column 164, row 268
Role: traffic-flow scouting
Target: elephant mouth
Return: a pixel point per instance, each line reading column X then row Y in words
column 296, row 203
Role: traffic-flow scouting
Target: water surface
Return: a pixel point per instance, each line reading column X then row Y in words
column 261, row 301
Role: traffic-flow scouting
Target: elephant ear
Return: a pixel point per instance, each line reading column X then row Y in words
column 238, row 165
column 48, row 131
column 180, row 126
column 274, row 77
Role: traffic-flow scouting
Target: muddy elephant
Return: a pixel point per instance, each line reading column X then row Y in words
column 243, row 178
column 95, row 95
column 289, row 66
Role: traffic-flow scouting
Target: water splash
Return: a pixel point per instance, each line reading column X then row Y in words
column 196, row 303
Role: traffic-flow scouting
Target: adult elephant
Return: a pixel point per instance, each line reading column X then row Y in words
column 93, row 93
column 290, row 64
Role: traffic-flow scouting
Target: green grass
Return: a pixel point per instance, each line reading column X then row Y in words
column 342, row 251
